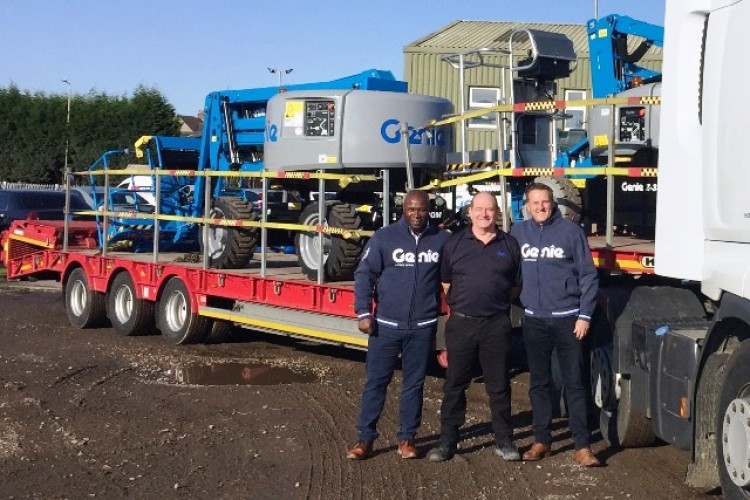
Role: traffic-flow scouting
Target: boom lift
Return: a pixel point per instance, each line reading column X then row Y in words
column 238, row 128
column 615, row 72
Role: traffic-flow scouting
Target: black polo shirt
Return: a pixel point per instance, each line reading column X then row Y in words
column 480, row 276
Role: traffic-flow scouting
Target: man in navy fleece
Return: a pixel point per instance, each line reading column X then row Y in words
column 400, row 272
column 560, row 284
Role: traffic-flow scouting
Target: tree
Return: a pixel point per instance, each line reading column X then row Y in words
column 33, row 129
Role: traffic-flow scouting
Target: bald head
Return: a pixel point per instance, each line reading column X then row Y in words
column 422, row 196
column 416, row 210
column 485, row 198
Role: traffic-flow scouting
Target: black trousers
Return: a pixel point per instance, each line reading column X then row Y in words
column 541, row 336
column 472, row 340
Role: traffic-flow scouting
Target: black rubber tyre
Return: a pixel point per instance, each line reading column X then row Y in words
column 565, row 194
column 177, row 321
column 703, row 471
column 340, row 255
column 626, row 427
column 231, row 247
column 732, row 436
column 128, row 314
column 85, row 308
column 219, row 332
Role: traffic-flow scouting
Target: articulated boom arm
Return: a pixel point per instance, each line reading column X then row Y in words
column 235, row 120
column 613, row 68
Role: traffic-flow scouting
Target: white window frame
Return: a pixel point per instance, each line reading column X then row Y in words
column 488, row 121
column 576, row 95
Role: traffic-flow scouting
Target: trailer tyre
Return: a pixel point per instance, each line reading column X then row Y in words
column 231, row 247
column 566, row 195
column 733, row 426
column 219, row 332
column 85, row 308
column 128, row 314
column 340, row 255
column 627, row 427
column 177, row 321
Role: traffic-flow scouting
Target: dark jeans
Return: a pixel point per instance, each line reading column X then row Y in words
column 383, row 350
column 472, row 340
column 541, row 336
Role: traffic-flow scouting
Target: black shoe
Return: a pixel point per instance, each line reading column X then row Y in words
column 441, row 453
column 508, row 451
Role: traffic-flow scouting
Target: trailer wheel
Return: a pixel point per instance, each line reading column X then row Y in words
column 733, row 426
column 231, row 247
column 177, row 321
column 566, row 195
column 85, row 308
column 219, row 332
column 626, row 427
column 340, row 255
column 128, row 314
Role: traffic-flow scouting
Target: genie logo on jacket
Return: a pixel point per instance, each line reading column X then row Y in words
column 551, row 252
column 403, row 258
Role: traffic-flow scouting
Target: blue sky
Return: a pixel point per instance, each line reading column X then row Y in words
column 188, row 48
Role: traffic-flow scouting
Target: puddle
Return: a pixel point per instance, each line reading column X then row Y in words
column 239, row 374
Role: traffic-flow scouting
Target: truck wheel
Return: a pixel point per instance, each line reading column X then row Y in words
column 340, row 255
column 626, row 427
column 565, row 194
column 177, row 321
column 85, row 308
column 231, row 247
column 128, row 314
column 733, row 426
column 602, row 378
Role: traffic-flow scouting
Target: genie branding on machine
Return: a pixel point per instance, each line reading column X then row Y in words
column 533, row 253
column 390, row 131
column 403, row 258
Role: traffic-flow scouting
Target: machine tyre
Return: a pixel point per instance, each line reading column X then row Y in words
column 177, row 321
column 128, row 314
column 627, row 427
column 733, row 426
column 85, row 308
column 340, row 255
column 230, row 247
column 565, row 194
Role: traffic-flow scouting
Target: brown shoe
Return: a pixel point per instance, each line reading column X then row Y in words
column 360, row 451
column 406, row 449
column 537, row 452
column 586, row 458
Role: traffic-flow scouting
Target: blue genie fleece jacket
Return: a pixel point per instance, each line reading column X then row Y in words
column 401, row 274
column 559, row 276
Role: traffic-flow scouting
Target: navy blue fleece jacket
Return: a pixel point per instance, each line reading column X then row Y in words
column 559, row 276
column 401, row 274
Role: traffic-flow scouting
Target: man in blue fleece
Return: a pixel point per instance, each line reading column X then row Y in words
column 560, row 284
column 400, row 272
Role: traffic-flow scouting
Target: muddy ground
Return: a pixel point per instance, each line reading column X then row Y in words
column 87, row 414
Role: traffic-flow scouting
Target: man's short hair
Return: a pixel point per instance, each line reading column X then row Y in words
column 538, row 186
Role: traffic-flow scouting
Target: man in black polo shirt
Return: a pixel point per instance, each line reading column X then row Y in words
column 480, row 267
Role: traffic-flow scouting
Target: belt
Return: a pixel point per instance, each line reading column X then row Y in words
column 468, row 316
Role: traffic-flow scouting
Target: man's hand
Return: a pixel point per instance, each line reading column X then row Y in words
column 365, row 326
column 581, row 329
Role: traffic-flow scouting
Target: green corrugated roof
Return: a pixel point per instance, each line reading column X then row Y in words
column 493, row 34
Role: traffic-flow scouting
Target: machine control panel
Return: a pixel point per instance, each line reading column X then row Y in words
column 633, row 124
column 320, row 118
